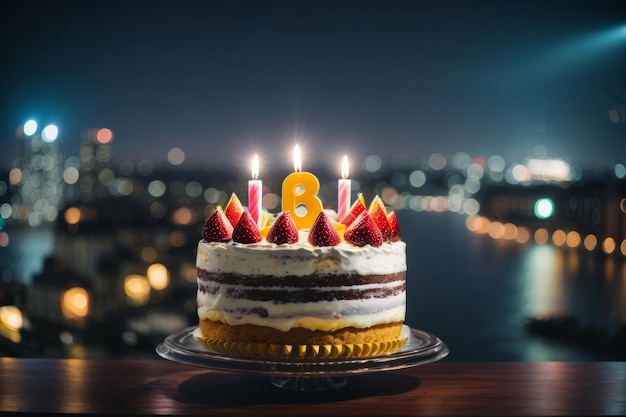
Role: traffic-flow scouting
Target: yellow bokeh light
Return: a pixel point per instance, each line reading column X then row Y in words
column 523, row 235
column 496, row 230
column 590, row 242
column 510, row 231
column 75, row 303
column 573, row 239
column 559, row 237
column 137, row 289
column 11, row 317
column 72, row 215
column 541, row 236
column 477, row 224
column 158, row 276
column 608, row 245
column 623, row 247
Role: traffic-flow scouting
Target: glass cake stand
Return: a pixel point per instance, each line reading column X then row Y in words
column 305, row 374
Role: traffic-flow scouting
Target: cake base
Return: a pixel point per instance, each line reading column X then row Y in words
column 254, row 340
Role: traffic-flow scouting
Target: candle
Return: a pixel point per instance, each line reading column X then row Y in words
column 300, row 194
column 344, row 188
column 255, row 192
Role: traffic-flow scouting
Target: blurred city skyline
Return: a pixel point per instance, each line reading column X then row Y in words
column 225, row 80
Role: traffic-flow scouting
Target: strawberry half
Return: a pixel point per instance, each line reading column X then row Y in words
column 363, row 231
column 323, row 232
column 217, row 227
column 357, row 207
column 379, row 215
column 394, row 227
column 246, row 231
column 234, row 209
column 283, row 230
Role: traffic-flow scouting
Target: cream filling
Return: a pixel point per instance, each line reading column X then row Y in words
column 319, row 315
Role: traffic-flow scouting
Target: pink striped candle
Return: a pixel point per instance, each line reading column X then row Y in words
column 344, row 188
column 255, row 192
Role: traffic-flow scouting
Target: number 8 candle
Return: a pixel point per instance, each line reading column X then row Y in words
column 300, row 190
column 255, row 192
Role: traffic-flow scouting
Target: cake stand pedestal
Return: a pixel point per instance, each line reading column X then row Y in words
column 305, row 374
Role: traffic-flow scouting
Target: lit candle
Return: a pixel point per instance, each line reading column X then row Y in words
column 344, row 188
column 300, row 191
column 255, row 192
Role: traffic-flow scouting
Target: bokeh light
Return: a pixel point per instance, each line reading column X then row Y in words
column 544, row 208
column 104, row 135
column 11, row 317
column 137, row 289
column 30, row 127
column 176, row 156
column 75, row 303
column 158, row 276
column 50, row 133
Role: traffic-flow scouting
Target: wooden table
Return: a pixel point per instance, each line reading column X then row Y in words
column 140, row 387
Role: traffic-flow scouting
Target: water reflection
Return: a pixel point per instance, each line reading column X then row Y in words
column 541, row 280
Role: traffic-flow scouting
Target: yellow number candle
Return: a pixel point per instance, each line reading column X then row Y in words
column 300, row 190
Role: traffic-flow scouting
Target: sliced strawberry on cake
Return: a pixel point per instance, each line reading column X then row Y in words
column 217, row 227
column 323, row 232
column 357, row 207
column 394, row 227
column 246, row 231
column 234, row 209
column 379, row 215
column 363, row 231
column 283, row 230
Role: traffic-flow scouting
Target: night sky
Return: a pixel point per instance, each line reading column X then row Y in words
column 223, row 80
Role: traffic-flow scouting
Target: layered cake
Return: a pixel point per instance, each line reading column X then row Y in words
column 334, row 289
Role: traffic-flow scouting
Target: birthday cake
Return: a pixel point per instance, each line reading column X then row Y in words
column 274, row 288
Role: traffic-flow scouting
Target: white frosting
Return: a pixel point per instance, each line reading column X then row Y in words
column 319, row 315
column 300, row 259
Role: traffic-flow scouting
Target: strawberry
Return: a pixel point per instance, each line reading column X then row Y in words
column 217, row 227
column 363, row 231
column 283, row 230
column 322, row 232
column 357, row 207
column 394, row 227
column 246, row 231
column 379, row 215
column 234, row 209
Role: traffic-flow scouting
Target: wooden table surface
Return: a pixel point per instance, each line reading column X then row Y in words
column 140, row 387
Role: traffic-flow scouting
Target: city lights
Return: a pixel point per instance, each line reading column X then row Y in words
column 30, row 128
column 544, row 208
column 137, row 289
column 158, row 276
column 11, row 317
column 75, row 303
column 50, row 133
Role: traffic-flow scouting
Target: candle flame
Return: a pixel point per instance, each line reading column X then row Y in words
column 344, row 167
column 297, row 159
column 255, row 167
